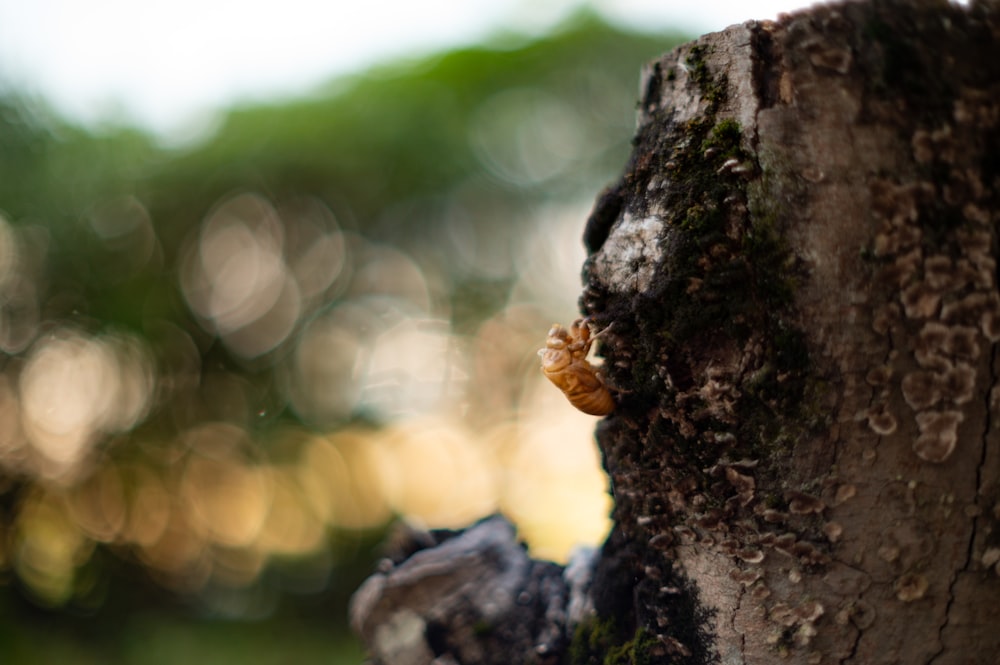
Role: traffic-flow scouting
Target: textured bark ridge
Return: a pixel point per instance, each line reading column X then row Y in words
column 799, row 273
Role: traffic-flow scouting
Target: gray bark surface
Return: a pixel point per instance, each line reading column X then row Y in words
column 797, row 273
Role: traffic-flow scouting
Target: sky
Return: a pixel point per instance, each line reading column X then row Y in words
column 169, row 65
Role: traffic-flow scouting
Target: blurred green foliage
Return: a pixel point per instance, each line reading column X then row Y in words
column 493, row 131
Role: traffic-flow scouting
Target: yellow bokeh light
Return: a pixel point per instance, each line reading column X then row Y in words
column 435, row 471
column 149, row 509
column 229, row 499
column 340, row 479
column 98, row 505
column 555, row 489
column 292, row 527
column 48, row 548
column 180, row 555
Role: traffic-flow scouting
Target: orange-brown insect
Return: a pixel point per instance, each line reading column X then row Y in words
column 564, row 362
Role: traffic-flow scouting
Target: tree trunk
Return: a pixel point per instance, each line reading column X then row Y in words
column 797, row 276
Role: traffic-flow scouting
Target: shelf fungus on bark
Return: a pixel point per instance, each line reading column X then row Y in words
column 564, row 362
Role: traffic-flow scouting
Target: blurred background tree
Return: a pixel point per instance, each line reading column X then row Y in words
column 227, row 367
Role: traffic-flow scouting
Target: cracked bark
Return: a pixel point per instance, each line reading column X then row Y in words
column 798, row 275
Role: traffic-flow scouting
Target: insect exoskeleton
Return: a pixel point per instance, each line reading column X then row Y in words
column 564, row 362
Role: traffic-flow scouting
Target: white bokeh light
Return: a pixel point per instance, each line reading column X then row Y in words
column 75, row 387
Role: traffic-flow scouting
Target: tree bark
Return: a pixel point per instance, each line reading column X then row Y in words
column 797, row 276
column 798, row 269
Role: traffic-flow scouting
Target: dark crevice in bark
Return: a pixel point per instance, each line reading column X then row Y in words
column 967, row 564
column 606, row 211
column 732, row 621
column 853, row 649
column 767, row 68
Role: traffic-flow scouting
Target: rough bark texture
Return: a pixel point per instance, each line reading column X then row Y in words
column 798, row 272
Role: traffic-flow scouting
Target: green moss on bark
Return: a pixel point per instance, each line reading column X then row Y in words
column 600, row 642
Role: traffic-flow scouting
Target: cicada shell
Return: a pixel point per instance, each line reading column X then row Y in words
column 564, row 362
